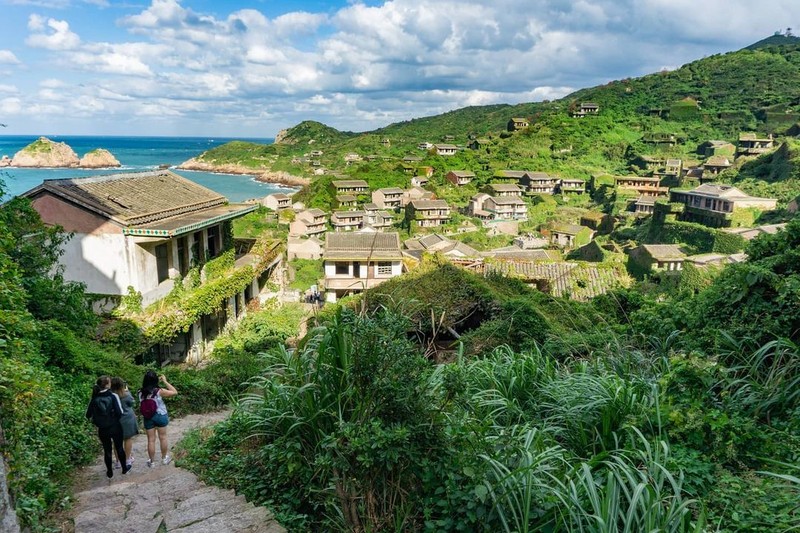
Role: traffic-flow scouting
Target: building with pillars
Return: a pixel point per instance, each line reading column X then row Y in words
column 139, row 230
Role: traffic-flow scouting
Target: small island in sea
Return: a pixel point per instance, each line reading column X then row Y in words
column 45, row 153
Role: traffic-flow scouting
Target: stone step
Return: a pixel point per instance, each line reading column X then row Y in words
column 235, row 520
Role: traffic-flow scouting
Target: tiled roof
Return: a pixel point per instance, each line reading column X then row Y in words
column 718, row 161
column 429, row 204
column 510, row 173
column 569, row 229
column 390, row 190
column 505, row 187
column 462, row 173
column 135, row 198
column 349, row 183
column 356, row 246
column 664, row 252
column 507, row 200
column 577, row 281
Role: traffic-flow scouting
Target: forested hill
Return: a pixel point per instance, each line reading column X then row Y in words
column 736, row 90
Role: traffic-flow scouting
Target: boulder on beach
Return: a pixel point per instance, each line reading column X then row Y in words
column 5, row 161
column 99, row 158
column 44, row 153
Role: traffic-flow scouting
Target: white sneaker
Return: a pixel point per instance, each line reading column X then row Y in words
column 149, row 463
column 166, row 460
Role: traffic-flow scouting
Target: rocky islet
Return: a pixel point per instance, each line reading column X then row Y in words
column 45, row 153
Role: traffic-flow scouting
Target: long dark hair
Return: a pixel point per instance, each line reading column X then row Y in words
column 102, row 383
column 118, row 386
column 149, row 383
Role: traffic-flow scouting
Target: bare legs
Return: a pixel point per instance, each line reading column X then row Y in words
column 162, row 440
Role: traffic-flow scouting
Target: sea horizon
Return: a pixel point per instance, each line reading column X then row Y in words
column 136, row 153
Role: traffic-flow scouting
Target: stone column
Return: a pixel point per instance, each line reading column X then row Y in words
column 8, row 517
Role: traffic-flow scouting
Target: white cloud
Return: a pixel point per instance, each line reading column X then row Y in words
column 60, row 38
column 8, row 89
column 7, row 57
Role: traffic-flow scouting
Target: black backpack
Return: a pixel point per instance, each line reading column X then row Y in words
column 103, row 415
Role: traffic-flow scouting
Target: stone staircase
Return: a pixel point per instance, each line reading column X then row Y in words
column 163, row 498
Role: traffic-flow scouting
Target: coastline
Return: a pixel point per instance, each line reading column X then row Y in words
column 261, row 175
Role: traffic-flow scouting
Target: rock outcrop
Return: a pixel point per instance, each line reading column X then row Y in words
column 44, row 153
column 99, row 158
column 267, row 176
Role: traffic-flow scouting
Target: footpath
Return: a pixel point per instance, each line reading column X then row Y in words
column 163, row 498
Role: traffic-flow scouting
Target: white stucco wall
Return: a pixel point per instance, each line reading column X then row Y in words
column 99, row 261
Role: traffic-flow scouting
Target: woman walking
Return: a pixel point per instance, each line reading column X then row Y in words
column 128, row 421
column 154, row 413
column 105, row 411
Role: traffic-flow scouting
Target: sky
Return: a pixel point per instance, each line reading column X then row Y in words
column 249, row 68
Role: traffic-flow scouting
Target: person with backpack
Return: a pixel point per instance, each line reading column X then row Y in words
column 154, row 412
column 128, row 421
column 105, row 411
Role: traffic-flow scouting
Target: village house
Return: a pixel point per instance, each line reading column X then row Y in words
column 504, row 189
column 711, row 148
column 347, row 220
column 354, row 262
column 645, row 186
column 585, row 109
column 572, row 186
column 506, row 208
column 445, row 149
column 352, row 157
column 653, row 257
column 712, row 259
column 135, row 230
column 277, row 201
column 435, row 243
column 387, row 198
column 517, row 123
column 460, row 177
column 652, row 162
column 349, row 187
column 475, row 207
column 346, row 201
column 308, row 222
column 420, row 181
column 385, row 142
column 412, row 159
column 414, row 193
column 479, row 144
column 540, row 183
column 752, row 144
column 376, row 218
column 716, row 205
column 644, row 205
column 570, row 235
column 143, row 232
column 406, row 168
column 671, row 170
column 508, row 176
column 298, row 248
column 424, row 146
column 716, row 164
column 600, row 222
column 426, row 171
column 660, row 139
column 428, row 213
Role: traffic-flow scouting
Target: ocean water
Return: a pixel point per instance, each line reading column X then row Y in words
column 135, row 154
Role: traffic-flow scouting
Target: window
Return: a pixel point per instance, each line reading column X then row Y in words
column 384, row 268
column 213, row 241
column 183, row 264
column 162, row 262
column 342, row 269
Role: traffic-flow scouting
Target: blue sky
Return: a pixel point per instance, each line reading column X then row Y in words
column 251, row 68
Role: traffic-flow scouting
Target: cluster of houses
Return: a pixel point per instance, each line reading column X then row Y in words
column 143, row 232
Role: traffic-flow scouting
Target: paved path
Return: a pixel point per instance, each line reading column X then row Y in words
column 162, row 498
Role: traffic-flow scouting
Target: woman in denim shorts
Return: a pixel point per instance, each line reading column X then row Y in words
column 157, row 424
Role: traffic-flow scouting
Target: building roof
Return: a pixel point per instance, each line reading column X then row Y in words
column 314, row 212
column 429, row 204
column 517, row 174
column 462, row 173
column 342, row 198
column 572, row 180
column 505, row 187
column 339, row 184
column 159, row 203
column 519, row 119
column 719, row 191
column 347, row 214
column 445, row 147
column 569, row 229
column 390, row 190
column 646, row 179
column 520, row 254
column 753, row 137
column 507, row 200
column 362, row 246
column 278, row 196
column 718, row 161
column 664, row 252
column 646, row 200
column 539, row 176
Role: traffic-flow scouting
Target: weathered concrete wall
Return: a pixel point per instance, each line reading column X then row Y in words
column 8, row 518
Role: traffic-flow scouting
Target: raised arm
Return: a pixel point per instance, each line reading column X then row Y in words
column 168, row 391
